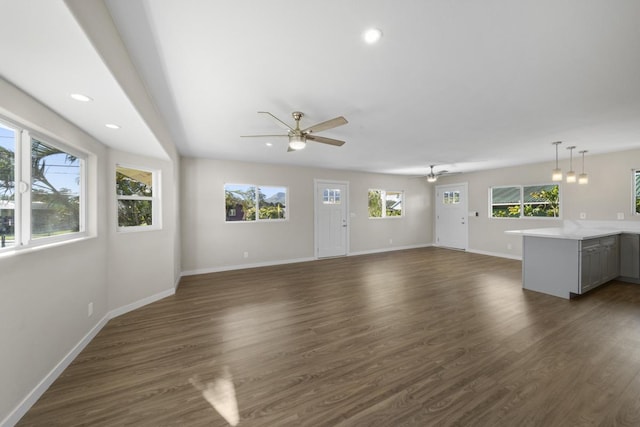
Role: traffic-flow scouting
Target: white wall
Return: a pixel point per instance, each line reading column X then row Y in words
column 609, row 191
column 209, row 243
column 141, row 263
column 44, row 293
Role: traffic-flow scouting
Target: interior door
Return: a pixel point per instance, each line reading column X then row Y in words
column 451, row 216
column 331, row 225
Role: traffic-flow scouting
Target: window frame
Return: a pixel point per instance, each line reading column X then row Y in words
column 522, row 203
column 22, row 219
column 155, row 199
column 635, row 191
column 256, row 202
column 383, row 204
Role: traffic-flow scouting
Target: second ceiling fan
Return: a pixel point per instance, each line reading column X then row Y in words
column 298, row 137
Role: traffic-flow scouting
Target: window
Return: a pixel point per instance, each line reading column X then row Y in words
column 451, row 197
column 331, row 196
column 636, row 192
column 51, row 204
column 55, row 190
column 525, row 201
column 7, row 186
column 385, row 204
column 137, row 201
column 242, row 201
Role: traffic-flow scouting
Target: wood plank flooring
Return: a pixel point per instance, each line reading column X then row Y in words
column 421, row 337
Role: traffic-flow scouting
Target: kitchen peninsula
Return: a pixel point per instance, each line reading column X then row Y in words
column 566, row 262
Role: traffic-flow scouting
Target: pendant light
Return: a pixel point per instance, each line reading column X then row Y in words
column 571, row 175
column 583, row 178
column 556, row 174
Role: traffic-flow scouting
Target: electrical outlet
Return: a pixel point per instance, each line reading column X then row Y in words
column 391, row 241
column 583, row 215
column 246, row 254
column 90, row 310
column 620, row 215
column 509, row 247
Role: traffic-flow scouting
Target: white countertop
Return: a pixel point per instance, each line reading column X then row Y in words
column 569, row 233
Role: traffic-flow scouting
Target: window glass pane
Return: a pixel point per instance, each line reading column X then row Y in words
column 135, row 213
column 134, row 189
column 55, row 191
column 331, row 196
column 637, row 190
column 240, row 202
column 505, row 202
column 7, row 185
column 133, row 182
column 272, row 202
column 542, row 200
column 375, row 204
column 393, row 203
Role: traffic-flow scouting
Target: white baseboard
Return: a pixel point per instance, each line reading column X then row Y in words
column 243, row 266
column 496, row 254
column 391, row 249
column 137, row 304
column 22, row 408
column 15, row 415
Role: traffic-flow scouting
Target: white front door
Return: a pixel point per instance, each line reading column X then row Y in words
column 451, row 216
column 331, row 225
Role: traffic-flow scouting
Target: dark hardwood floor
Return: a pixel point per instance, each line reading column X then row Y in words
column 419, row 337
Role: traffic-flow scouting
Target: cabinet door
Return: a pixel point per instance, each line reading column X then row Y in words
column 630, row 256
column 591, row 274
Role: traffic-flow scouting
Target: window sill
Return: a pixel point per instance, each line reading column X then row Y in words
column 36, row 247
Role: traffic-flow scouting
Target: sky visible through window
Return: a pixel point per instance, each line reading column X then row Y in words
column 60, row 172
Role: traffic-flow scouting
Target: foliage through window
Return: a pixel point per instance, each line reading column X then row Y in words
column 136, row 198
column 636, row 192
column 52, row 199
column 385, row 204
column 525, row 201
column 248, row 202
column 55, row 191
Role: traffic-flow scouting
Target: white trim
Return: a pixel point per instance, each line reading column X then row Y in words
column 395, row 248
column 495, row 254
column 243, row 266
column 140, row 303
column 33, row 396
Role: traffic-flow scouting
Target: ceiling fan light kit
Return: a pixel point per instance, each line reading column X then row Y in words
column 298, row 137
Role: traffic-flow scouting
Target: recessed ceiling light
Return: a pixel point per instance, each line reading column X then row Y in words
column 269, row 144
column 112, row 126
column 80, row 97
column 372, row 35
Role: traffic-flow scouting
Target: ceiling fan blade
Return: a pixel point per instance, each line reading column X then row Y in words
column 329, row 124
column 259, row 136
column 286, row 126
column 325, row 140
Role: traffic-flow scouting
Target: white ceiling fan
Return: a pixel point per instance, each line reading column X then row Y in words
column 432, row 176
column 298, row 137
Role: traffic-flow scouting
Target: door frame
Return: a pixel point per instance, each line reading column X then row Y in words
column 438, row 188
column 316, row 229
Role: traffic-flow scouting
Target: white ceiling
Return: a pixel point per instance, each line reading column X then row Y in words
column 466, row 84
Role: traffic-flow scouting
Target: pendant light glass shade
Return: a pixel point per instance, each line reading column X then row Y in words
column 556, row 174
column 571, row 175
column 583, row 178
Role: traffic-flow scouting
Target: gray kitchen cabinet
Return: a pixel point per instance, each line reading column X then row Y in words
column 591, row 262
column 630, row 257
column 610, row 258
